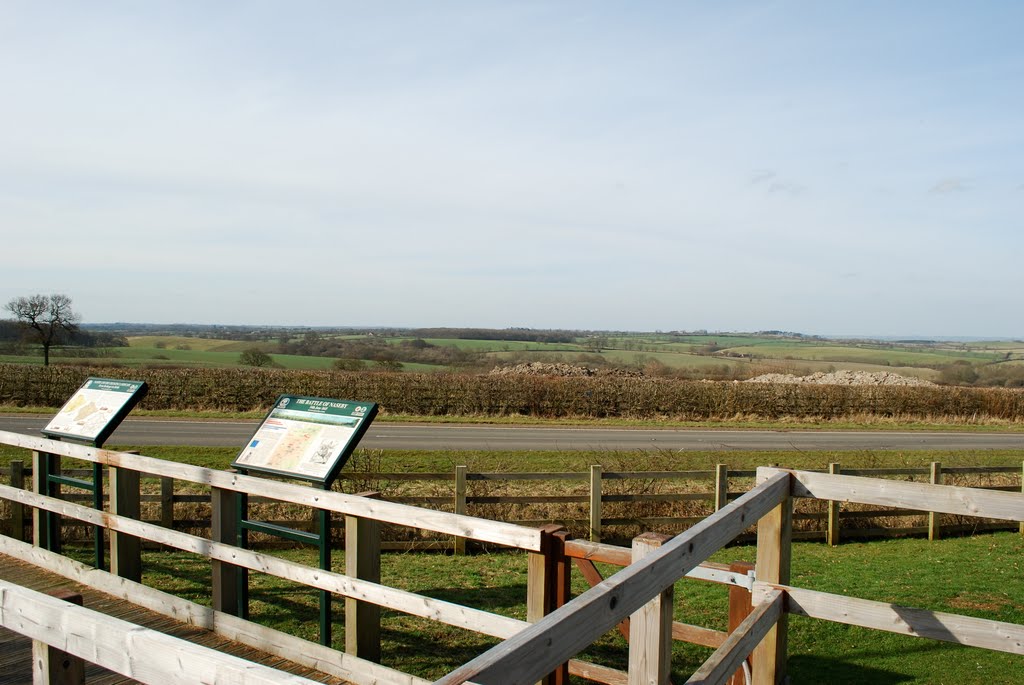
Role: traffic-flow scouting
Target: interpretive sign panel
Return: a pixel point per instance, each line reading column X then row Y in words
column 96, row 409
column 307, row 437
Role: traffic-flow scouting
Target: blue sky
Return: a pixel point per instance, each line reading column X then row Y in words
column 829, row 168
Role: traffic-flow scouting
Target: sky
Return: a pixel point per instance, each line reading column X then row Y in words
column 829, row 168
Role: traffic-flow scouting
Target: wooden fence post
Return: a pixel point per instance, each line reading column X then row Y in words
column 224, row 528
column 595, row 503
column 774, row 538
column 17, row 527
column 51, row 666
column 721, row 486
column 740, row 606
column 460, row 504
column 548, row 585
column 362, row 560
column 650, row 626
column 832, row 533
column 934, row 519
column 125, row 500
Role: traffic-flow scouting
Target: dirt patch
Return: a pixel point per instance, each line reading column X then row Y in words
column 842, row 378
column 979, row 600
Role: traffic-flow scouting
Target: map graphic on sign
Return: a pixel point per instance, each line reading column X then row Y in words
column 95, row 409
column 306, row 437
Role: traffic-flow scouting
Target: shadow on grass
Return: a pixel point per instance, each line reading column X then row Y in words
column 485, row 598
column 431, row 653
column 817, row 669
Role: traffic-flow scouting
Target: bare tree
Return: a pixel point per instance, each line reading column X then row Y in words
column 47, row 318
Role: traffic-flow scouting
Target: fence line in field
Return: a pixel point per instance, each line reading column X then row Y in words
column 596, row 523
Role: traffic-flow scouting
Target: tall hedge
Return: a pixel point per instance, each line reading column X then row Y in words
column 244, row 389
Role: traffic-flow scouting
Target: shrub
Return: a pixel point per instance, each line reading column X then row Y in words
column 255, row 357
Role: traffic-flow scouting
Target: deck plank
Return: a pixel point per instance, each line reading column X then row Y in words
column 16, row 650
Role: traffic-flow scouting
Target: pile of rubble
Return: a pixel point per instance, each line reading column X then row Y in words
column 559, row 369
column 841, row 378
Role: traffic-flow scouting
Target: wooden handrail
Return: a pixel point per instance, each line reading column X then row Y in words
column 946, row 499
column 537, row 650
column 495, row 532
column 399, row 600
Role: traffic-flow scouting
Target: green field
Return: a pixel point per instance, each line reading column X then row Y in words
column 194, row 352
column 718, row 356
column 501, row 345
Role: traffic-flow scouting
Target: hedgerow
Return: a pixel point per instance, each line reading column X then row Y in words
column 248, row 389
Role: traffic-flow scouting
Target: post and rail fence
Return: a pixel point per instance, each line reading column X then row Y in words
column 545, row 648
column 711, row 490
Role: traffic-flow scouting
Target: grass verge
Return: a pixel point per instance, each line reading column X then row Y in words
column 859, row 422
column 439, row 461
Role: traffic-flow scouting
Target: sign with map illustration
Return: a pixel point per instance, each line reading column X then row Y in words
column 306, row 437
column 96, row 409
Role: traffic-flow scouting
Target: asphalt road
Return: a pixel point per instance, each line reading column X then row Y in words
column 448, row 437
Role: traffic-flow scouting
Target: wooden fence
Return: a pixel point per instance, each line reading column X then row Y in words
column 715, row 489
column 543, row 648
column 642, row 591
column 548, row 552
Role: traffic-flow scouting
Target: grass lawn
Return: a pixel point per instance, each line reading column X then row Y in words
column 979, row 576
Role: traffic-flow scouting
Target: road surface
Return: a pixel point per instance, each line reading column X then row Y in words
column 142, row 432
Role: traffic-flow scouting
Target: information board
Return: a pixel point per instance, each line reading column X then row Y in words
column 309, row 438
column 96, row 409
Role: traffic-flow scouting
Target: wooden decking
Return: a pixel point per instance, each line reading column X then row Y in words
column 15, row 650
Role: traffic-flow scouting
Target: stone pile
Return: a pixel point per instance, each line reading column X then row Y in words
column 559, row 369
column 842, row 378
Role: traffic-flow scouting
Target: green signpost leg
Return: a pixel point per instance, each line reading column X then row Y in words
column 243, row 542
column 53, row 523
column 325, row 565
column 97, row 503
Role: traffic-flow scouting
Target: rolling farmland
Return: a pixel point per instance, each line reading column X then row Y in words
column 726, row 356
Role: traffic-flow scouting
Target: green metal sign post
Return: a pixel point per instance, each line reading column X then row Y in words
column 89, row 417
column 303, row 438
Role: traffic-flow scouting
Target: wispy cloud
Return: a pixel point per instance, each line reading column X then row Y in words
column 786, row 187
column 946, row 186
column 773, row 183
